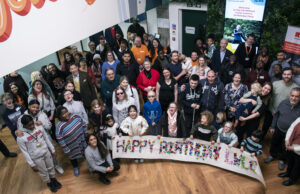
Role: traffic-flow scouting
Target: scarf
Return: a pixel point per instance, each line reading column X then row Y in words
column 172, row 121
column 295, row 136
column 148, row 74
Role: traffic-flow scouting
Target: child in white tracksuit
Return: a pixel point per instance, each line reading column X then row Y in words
column 35, row 146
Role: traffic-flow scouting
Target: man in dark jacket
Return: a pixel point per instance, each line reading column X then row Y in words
column 108, row 85
column 83, row 84
column 110, row 34
column 212, row 94
column 220, row 56
column 228, row 70
column 191, row 99
column 136, row 28
column 128, row 68
column 245, row 52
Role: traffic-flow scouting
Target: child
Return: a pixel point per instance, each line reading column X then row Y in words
column 252, row 145
column 111, row 130
column 152, row 112
column 202, row 74
column 134, row 125
column 35, row 146
column 244, row 109
column 204, row 129
column 211, row 46
column 226, row 135
column 220, row 119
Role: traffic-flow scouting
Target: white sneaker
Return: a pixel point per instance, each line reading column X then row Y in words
column 59, row 169
column 136, row 160
column 141, row 160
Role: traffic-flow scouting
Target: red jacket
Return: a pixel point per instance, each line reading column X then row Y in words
column 253, row 76
column 143, row 82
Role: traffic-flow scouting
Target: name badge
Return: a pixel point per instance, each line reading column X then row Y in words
column 230, row 73
column 138, row 59
column 38, row 145
column 261, row 77
column 247, row 59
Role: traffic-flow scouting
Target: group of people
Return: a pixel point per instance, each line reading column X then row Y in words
column 146, row 89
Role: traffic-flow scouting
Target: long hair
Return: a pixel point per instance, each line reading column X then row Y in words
column 116, row 96
column 22, row 95
column 101, row 147
column 43, row 89
column 159, row 47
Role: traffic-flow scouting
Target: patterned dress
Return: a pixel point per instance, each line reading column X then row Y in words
column 71, row 136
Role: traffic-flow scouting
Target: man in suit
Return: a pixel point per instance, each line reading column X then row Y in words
column 110, row 34
column 220, row 56
column 83, row 85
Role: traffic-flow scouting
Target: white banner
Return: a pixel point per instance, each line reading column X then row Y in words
column 245, row 9
column 292, row 40
column 149, row 147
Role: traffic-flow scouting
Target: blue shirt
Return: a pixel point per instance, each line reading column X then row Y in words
column 176, row 69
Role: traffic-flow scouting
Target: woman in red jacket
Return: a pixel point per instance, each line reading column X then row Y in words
column 147, row 79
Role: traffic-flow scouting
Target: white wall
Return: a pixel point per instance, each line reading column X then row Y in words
column 175, row 18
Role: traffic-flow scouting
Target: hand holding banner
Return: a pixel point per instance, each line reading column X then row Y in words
column 150, row 147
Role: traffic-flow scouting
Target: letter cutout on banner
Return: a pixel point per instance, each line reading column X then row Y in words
column 149, row 147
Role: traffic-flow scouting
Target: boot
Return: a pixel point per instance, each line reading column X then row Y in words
column 56, row 183
column 51, row 187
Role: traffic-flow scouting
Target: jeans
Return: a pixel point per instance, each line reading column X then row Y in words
column 153, row 130
column 277, row 149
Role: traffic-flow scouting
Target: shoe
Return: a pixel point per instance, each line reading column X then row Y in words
column 12, row 154
column 136, row 160
column 51, row 187
column 59, row 169
column 284, row 174
column 269, row 159
column 281, row 164
column 104, row 180
column 76, row 171
column 141, row 160
column 288, row 182
column 56, row 184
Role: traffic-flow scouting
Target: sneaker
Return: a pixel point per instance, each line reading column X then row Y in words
column 51, row 187
column 136, row 160
column 76, row 172
column 141, row 160
column 12, row 154
column 269, row 159
column 281, row 164
column 59, row 169
column 56, row 184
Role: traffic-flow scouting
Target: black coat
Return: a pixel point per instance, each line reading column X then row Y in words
column 131, row 72
column 216, row 60
column 163, row 126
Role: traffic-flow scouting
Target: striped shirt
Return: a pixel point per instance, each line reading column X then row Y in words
column 252, row 146
column 71, row 136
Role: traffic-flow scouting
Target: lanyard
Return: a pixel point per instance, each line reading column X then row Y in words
column 248, row 52
column 34, row 137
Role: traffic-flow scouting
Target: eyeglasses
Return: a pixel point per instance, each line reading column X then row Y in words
column 151, row 96
column 121, row 93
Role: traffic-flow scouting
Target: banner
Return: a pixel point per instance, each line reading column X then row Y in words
column 292, row 47
column 242, row 17
column 150, row 147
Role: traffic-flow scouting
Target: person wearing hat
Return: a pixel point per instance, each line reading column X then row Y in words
column 135, row 28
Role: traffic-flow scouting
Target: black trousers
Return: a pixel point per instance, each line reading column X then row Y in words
column 293, row 168
column 267, row 123
column 74, row 163
column 105, row 164
column 4, row 149
column 240, row 131
column 277, row 148
column 188, row 122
